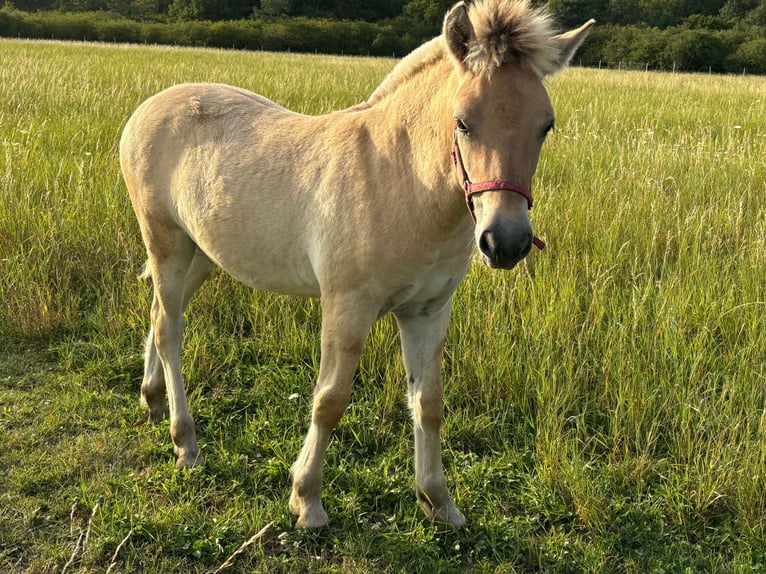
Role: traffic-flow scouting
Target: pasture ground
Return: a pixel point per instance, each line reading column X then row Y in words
column 605, row 401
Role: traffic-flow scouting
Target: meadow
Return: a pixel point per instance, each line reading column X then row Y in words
column 605, row 401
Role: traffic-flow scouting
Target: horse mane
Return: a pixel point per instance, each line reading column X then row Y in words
column 406, row 68
column 508, row 32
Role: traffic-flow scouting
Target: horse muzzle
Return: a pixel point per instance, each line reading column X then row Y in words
column 503, row 250
column 497, row 251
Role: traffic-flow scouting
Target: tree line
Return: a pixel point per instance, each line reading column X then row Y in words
column 683, row 35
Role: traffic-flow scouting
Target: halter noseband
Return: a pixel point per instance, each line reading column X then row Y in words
column 493, row 185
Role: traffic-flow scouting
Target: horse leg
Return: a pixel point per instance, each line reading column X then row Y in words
column 422, row 337
column 153, row 398
column 169, row 271
column 345, row 325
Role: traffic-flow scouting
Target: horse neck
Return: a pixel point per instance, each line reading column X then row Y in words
column 417, row 113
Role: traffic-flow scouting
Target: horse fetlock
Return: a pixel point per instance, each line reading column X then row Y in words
column 185, row 442
column 156, row 414
column 187, row 450
column 153, row 400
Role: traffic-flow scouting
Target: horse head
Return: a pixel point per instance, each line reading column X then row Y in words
column 502, row 52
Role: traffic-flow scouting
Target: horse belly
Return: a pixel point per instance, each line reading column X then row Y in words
column 249, row 222
column 260, row 254
column 287, row 274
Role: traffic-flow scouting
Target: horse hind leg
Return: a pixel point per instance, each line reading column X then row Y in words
column 170, row 268
column 153, row 394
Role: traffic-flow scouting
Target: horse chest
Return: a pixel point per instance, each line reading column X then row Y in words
column 427, row 290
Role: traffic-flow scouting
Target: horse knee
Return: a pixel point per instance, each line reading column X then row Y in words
column 329, row 406
column 427, row 409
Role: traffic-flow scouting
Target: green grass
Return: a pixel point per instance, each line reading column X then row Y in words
column 605, row 402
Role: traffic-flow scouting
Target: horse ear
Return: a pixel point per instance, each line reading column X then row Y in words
column 568, row 42
column 458, row 32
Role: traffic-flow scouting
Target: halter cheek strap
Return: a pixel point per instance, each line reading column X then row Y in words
column 493, row 185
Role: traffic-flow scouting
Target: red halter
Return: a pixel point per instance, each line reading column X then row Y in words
column 495, row 185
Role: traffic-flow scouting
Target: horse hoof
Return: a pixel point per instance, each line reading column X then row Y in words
column 157, row 415
column 446, row 514
column 454, row 518
column 190, row 460
column 309, row 516
column 315, row 519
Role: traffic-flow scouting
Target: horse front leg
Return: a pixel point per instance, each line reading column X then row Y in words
column 345, row 324
column 422, row 334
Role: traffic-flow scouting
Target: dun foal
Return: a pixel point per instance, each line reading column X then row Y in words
column 374, row 209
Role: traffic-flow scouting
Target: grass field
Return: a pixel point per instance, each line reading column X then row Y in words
column 605, row 401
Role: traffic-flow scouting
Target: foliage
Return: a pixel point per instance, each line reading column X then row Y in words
column 680, row 35
column 681, row 48
column 294, row 34
column 750, row 55
column 604, row 400
column 429, row 13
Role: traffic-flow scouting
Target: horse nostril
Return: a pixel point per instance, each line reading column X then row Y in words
column 488, row 245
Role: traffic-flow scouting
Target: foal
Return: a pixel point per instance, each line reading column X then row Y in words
column 374, row 209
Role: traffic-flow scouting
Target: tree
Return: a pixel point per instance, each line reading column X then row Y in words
column 186, row 9
column 623, row 12
column 34, row 5
column 81, row 5
column 750, row 56
column 757, row 15
column 572, row 13
column 429, row 13
column 695, row 51
column 738, row 9
column 275, row 7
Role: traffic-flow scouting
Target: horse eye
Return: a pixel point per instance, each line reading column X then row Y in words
column 460, row 126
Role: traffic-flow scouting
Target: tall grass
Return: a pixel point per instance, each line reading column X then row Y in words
column 604, row 402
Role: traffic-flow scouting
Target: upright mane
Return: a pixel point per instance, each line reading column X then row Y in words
column 504, row 32
column 510, row 31
column 407, row 67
